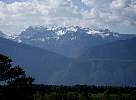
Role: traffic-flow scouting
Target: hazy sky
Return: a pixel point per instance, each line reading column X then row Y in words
column 117, row 15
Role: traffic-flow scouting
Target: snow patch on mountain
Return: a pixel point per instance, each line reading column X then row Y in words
column 72, row 28
column 19, row 40
column 94, row 32
column 60, row 32
column 13, row 36
column 103, row 33
column 116, row 35
column 53, row 28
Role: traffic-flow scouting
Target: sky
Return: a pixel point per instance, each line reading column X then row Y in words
column 116, row 15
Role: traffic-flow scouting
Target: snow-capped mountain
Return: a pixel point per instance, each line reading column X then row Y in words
column 70, row 41
column 102, row 57
column 56, row 32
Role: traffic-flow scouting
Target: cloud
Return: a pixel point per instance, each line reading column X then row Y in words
column 113, row 12
column 16, row 16
column 125, row 10
column 119, row 4
column 88, row 2
column 36, row 12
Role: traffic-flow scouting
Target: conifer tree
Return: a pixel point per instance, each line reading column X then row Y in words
column 10, row 74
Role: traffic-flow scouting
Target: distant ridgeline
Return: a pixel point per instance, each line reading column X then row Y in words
column 74, row 55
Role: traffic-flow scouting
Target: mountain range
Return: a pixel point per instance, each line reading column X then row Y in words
column 107, row 58
column 70, row 41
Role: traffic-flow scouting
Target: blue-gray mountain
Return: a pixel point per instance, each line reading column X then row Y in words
column 38, row 63
column 93, row 67
column 118, row 50
column 68, row 41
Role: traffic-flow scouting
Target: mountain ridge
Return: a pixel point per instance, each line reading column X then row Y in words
column 34, row 60
column 121, row 47
column 50, row 68
column 68, row 41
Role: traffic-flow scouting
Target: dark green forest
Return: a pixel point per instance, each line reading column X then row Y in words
column 16, row 85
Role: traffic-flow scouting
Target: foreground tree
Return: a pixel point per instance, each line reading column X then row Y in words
column 12, row 75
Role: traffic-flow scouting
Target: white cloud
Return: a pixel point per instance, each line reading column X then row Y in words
column 91, row 14
column 37, row 12
column 88, row 2
column 14, row 17
column 117, row 4
column 125, row 10
column 113, row 12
